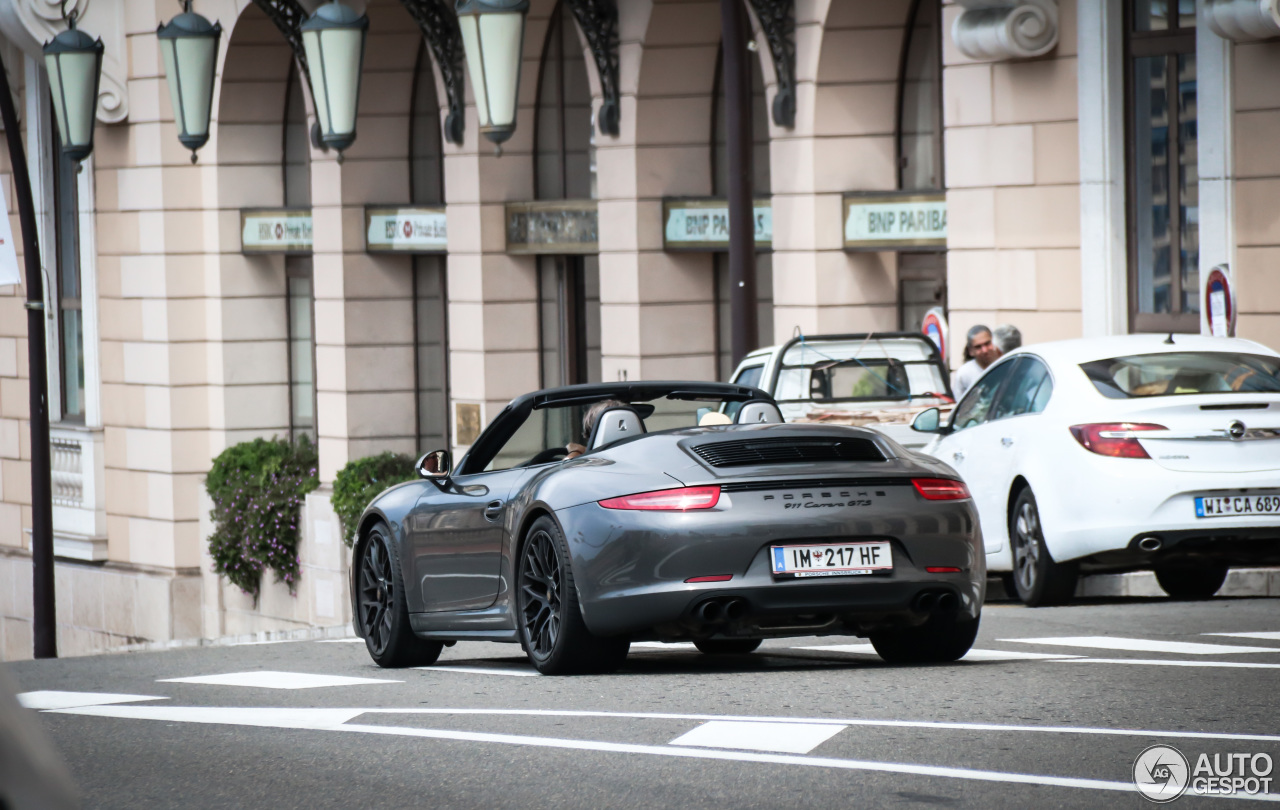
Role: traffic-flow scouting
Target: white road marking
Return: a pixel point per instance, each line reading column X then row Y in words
column 1269, row 635
column 1143, row 645
column 1158, row 662
column 246, row 717
column 326, row 719
column 479, row 670
column 43, row 700
column 267, row 679
column 786, row 738
column 972, row 655
column 664, row 645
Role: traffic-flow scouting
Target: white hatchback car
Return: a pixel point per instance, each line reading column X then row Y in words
column 1121, row 453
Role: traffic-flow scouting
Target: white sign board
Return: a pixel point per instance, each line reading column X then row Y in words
column 704, row 224
column 895, row 221
column 277, row 230
column 406, row 230
column 10, row 273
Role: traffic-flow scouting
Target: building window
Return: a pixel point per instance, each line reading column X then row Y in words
column 760, row 187
column 430, row 288
column 1164, row 238
column 296, row 165
column 565, row 168
column 70, row 314
column 922, row 277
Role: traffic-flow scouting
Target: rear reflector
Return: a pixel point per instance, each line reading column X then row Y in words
column 1115, row 439
column 668, row 500
column 716, row 578
column 940, row 489
column 942, row 569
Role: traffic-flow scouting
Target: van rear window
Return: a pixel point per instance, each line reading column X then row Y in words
column 1175, row 373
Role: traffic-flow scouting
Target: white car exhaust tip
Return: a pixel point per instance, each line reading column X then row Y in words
column 1150, row 543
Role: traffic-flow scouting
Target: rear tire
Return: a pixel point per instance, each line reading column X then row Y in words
column 727, row 646
column 1038, row 580
column 383, row 611
column 943, row 638
column 552, row 631
column 1199, row 581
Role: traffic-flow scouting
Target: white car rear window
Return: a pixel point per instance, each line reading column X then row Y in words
column 1174, row 373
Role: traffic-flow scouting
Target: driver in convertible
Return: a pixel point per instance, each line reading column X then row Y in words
column 589, row 420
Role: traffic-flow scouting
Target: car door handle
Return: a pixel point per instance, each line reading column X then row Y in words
column 958, row 456
column 493, row 511
column 1007, row 442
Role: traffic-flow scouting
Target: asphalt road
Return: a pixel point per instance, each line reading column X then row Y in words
column 1018, row 724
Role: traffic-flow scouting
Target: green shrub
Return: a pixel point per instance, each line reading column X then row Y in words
column 257, row 488
column 361, row 481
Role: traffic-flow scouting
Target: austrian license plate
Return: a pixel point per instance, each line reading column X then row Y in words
column 1211, row 506
column 832, row 560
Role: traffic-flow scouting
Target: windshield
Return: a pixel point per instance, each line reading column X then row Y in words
column 870, row 369
column 552, row 433
column 1174, row 373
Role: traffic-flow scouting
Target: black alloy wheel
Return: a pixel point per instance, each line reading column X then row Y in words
column 727, row 646
column 1039, row 581
column 1191, row 581
column 383, row 613
column 552, row 630
column 540, row 579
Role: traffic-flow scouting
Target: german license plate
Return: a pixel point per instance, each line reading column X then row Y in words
column 831, row 560
column 1211, row 506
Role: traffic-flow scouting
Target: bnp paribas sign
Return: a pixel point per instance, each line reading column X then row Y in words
column 904, row 221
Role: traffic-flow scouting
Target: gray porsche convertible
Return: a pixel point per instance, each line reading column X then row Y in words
column 589, row 516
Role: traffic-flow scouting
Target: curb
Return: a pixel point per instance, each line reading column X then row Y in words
column 1247, row 582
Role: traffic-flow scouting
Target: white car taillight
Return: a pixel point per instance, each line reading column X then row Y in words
column 1115, row 439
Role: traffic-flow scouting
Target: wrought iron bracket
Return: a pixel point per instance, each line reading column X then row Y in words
column 598, row 20
column 440, row 28
column 778, row 20
column 288, row 16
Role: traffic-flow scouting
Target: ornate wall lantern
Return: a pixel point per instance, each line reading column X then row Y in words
column 334, row 41
column 189, row 44
column 74, row 62
column 493, row 37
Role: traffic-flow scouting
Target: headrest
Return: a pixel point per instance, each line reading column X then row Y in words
column 757, row 411
column 714, row 418
column 615, row 424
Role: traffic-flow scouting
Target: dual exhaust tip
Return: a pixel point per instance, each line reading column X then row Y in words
column 720, row 611
column 936, row 601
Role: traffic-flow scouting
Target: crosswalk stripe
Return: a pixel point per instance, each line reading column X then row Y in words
column 1142, row 645
column 972, row 655
column 1269, row 635
column 267, row 679
column 1157, row 662
column 479, row 670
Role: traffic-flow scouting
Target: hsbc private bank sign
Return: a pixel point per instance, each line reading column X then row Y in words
column 903, row 221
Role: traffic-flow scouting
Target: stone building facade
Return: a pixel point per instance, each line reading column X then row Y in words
column 1090, row 180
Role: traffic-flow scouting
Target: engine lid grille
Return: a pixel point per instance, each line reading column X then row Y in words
column 789, row 450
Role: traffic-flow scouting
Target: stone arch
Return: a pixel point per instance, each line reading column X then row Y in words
column 246, row 153
column 847, row 65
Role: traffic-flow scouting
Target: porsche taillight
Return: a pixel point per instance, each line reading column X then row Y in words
column 940, row 489
column 682, row 499
column 1115, row 439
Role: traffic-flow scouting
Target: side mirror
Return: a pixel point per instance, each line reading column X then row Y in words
column 927, row 421
column 436, row 465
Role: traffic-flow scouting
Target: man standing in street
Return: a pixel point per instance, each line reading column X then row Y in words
column 983, row 352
